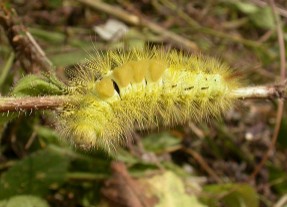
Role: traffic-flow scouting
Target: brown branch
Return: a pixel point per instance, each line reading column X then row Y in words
column 13, row 104
column 28, row 52
column 123, row 190
column 203, row 164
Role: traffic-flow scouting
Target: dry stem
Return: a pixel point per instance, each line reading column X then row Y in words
column 260, row 92
column 28, row 52
column 13, row 104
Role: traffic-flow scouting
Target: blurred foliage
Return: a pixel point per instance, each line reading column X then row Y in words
column 230, row 194
column 34, row 175
column 24, row 201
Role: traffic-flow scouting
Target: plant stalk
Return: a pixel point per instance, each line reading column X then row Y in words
column 14, row 104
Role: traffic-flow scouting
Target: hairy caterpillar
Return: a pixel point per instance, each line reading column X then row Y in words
column 114, row 93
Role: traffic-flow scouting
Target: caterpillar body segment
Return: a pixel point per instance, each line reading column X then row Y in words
column 142, row 89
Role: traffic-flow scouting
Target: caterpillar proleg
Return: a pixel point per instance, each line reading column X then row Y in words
column 115, row 93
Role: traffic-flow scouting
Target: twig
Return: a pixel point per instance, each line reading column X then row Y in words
column 13, row 104
column 30, row 140
column 280, row 109
column 38, row 49
column 178, row 40
column 22, row 42
column 203, row 164
column 260, row 92
column 282, row 201
column 121, row 188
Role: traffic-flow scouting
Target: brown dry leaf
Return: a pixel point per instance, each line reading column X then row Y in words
column 124, row 191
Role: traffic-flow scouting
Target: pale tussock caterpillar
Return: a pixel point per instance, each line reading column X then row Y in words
column 114, row 93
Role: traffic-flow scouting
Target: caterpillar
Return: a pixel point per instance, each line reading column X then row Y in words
column 116, row 93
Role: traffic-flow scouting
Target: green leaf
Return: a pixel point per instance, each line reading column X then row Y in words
column 127, row 157
column 35, row 174
column 231, row 194
column 52, row 78
column 33, row 85
column 48, row 134
column 282, row 141
column 4, row 71
column 245, row 7
column 5, row 118
column 24, row 201
column 51, row 37
column 160, row 143
column 263, row 18
column 65, row 59
column 278, row 178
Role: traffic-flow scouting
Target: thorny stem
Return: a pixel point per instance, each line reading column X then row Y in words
column 13, row 104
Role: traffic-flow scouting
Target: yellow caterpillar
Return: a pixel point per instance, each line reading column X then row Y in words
column 115, row 93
